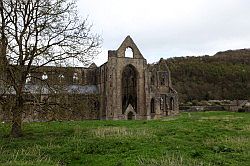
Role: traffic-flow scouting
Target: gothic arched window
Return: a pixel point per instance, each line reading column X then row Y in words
column 44, row 76
column 152, row 80
column 129, row 53
column 61, row 77
column 152, row 105
column 163, row 78
column 129, row 87
column 75, row 78
column 28, row 78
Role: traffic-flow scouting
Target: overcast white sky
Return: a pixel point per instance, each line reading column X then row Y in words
column 168, row 28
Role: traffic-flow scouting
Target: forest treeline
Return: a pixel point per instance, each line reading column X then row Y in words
column 226, row 75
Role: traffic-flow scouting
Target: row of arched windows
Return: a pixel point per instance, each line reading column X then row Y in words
column 61, row 77
column 165, row 104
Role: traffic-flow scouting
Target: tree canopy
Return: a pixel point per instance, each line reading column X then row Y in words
column 225, row 75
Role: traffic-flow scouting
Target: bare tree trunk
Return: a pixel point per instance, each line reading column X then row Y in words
column 16, row 129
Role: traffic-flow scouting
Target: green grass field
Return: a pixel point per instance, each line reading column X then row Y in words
column 205, row 138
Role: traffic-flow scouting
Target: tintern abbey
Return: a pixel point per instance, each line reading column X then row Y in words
column 122, row 88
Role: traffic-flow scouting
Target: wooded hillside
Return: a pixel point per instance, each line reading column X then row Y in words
column 226, row 75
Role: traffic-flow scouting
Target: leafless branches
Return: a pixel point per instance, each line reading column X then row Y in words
column 36, row 33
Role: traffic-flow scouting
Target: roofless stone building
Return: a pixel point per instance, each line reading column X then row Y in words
column 122, row 88
column 134, row 89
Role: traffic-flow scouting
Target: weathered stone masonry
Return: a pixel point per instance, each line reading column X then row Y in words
column 122, row 88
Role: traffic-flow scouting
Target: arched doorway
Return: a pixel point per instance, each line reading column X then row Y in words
column 131, row 116
column 129, row 88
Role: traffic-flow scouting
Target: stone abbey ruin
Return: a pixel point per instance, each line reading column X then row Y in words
column 122, row 88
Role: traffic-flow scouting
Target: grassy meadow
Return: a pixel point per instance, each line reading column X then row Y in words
column 203, row 138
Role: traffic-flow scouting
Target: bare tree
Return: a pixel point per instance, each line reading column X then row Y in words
column 36, row 33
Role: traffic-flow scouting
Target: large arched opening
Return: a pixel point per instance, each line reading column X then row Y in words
column 129, row 88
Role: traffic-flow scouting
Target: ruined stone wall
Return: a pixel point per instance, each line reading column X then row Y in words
column 162, row 95
column 117, row 63
column 152, row 82
column 58, row 93
column 64, row 107
column 64, row 75
column 102, row 78
column 104, row 92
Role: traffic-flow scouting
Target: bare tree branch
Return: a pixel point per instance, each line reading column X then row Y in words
column 37, row 33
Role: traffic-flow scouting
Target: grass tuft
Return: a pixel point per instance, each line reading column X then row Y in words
column 121, row 132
